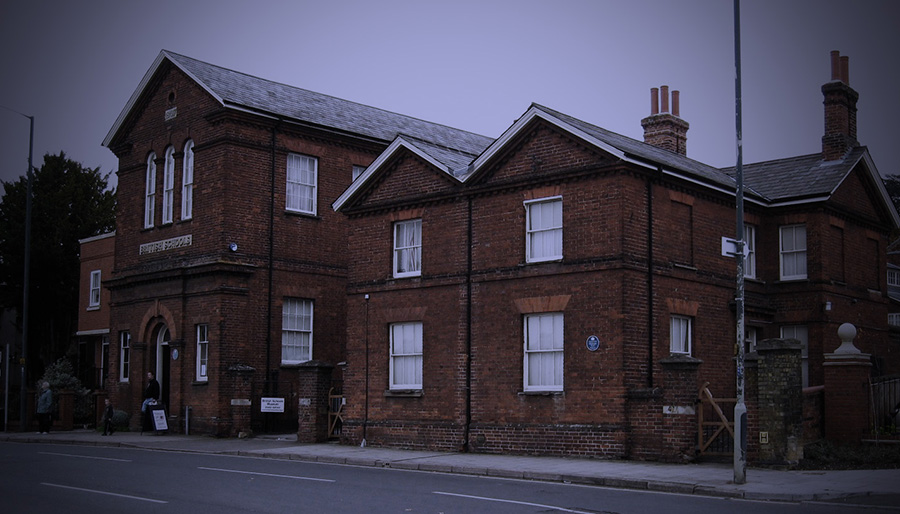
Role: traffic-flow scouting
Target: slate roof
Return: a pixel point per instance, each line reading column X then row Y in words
column 239, row 90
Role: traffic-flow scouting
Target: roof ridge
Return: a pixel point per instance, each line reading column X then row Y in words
column 177, row 56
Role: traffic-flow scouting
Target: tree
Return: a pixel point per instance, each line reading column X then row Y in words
column 69, row 203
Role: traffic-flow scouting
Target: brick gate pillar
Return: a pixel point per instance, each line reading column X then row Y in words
column 314, row 381
column 847, row 372
column 779, row 401
column 679, row 415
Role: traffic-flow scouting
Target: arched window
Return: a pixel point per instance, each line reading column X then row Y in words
column 169, row 186
column 187, row 182
column 150, row 191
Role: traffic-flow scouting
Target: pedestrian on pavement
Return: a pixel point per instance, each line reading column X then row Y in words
column 44, row 404
column 151, row 394
column 107, row 418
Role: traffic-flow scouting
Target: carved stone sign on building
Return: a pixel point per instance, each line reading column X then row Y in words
column 166, row 244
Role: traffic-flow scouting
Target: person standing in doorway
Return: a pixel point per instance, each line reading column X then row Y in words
column 151, row 394
column 44, row 404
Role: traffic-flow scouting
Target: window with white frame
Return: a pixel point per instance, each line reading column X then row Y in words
column 150, row 192
column 406, row 356
column 296, row 331
column 124, row 355
column 800, row 333
column 94, row 298
column 750, row 247
column 543, row 352
column 750, row 336
column 187, row 182
column 680, row 336
column 893, row 277
column 202, row 353
column 543, row 221
column 793, row 252
column 301, row 183
column 408, row 248
column 357, row 171
column 169, row 186
column 894, row 319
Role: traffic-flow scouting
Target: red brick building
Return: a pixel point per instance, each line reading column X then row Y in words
column 559, row 290
column 565, row 291
column 230, row 266
column 97, row 257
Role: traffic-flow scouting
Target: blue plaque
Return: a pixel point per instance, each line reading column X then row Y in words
column 593, row 342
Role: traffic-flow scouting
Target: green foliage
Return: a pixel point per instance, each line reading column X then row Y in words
column 61, row 377
column 69, row 203
column 120, row 419
column 825, row 455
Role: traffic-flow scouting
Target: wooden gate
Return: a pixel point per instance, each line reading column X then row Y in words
column 335, row 418
column 715, row 424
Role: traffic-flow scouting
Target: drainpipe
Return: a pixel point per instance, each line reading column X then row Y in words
column 366, row 415
column 468, row 421
column 650, row 280
column 271, row 260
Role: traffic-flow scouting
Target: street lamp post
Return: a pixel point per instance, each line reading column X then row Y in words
column 23, row 360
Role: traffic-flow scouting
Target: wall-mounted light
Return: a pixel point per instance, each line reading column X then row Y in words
column 233, row 247
column 827, row 306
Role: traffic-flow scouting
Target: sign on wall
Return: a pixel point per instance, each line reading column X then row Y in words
column 271, row 405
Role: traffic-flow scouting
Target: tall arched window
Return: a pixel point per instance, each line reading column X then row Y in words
column 187, row 182
column 169, row 186
column 150, row 191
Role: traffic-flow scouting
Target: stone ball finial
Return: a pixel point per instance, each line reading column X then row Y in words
column 847, row 333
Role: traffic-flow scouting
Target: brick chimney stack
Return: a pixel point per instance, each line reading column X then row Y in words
column 840, row 110
column 664, row 129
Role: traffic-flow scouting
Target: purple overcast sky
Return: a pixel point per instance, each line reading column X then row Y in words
column 472, row 64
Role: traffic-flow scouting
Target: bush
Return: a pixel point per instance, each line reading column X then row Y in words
column 61, row 377
column 120, row 420
column 825, row 455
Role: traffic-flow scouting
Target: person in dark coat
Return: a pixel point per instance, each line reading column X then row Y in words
column 108, row 418
column 151, row 394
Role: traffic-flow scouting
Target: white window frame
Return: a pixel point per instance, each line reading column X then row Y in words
column 202, row 353
column 894, row 319
column 750, row 247
column 150, row 192
column 124, row 355
column 540, row 231
column 544, row 357
column 302, row 177
column 356, row 172
column 800, row 333
column 681, row 337
column 792, row 252
column 187, row 182
column 751, row 334
column 406, row 355
column 296, row 330
column 893, row 278
column 168, row 214
column 407, row 253
column 94, row 294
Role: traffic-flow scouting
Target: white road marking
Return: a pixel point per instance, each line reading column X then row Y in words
column 267, row 474
column 84, row 456
column 104, row 492
column 500, row 500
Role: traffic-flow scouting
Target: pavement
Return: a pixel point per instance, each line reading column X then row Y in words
column 874, row 488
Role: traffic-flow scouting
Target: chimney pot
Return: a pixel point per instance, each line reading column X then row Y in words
column 845, row 69
column 675, row 107
column 654, row 100
column 665, row 98
column 835, row 65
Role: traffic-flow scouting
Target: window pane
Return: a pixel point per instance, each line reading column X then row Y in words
column 544, row 352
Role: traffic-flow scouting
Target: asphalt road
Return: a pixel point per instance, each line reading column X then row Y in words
column 47, row 478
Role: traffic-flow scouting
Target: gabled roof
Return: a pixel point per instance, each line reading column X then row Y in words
column 240, row 91
column 801, row 179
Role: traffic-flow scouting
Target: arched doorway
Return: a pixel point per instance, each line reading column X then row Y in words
column 163, row 363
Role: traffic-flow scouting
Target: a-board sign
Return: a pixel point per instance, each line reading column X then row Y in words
column 158, row 415
column 271, row 405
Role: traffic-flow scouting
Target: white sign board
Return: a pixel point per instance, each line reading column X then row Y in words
column 271, row 405
column 159, row 419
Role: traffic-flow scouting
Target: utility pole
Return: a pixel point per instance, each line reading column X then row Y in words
column 740, row 409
